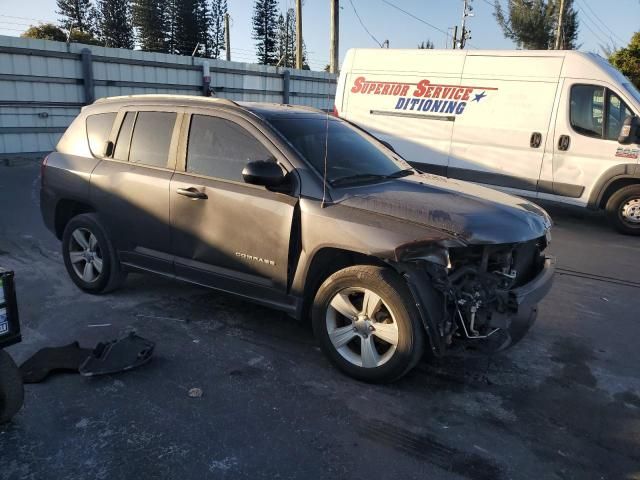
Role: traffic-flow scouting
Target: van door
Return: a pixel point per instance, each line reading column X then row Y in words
column 588, row 123
column 499, row 138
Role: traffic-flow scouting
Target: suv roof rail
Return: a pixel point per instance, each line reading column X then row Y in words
column 163, row 96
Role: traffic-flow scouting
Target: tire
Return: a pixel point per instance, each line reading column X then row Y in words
column 11, row 388
column 397, row 347
column 623, row 210
column 86, row 240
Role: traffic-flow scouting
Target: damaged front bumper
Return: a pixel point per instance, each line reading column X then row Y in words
column 445, row 324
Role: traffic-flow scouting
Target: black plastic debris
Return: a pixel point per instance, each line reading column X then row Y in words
column 121, row 355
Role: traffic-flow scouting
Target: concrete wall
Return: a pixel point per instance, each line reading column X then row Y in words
column 43, row 85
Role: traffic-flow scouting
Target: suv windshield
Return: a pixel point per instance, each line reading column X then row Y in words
column 350, row 154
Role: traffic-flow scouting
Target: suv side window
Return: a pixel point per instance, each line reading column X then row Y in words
column 220, row 148
column 152, row 138
column 617, row 111
column 121, row 151
column 98, row 130
column 587, row 110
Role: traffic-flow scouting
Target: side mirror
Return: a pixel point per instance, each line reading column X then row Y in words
column 388, row 145
column 263, row 172
column 629, row 131
column 107, row 151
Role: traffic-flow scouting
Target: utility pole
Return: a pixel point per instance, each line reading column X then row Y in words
column 455, row 37
column 227, row 37
column 464, row 33
column 559, row 34
column 299, row 34
column 335, row 36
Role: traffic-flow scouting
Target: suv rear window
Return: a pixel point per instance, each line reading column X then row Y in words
column 152, row 138
column 98, row 130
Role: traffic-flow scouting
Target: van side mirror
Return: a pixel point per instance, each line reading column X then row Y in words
column 263, row 172
column 629, row 132
column 107, row 151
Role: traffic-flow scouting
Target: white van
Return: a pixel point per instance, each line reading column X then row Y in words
column 543, row 124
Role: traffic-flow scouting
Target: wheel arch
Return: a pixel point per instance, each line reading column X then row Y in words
column 66, row 209
column 324, row 263
column 612, row 180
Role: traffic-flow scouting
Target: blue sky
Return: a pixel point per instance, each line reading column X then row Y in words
column 598, row 19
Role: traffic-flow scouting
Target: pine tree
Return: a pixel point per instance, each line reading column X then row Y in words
column 265, row 23
column 78, row 14
column 115, row 23
column 170, row 21
column 203, row 25
column 216, row 34
column 186, row 29
column 149, row 20
column 286, row 39
column 532, row 24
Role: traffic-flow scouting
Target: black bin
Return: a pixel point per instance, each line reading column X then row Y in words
column 11, row 388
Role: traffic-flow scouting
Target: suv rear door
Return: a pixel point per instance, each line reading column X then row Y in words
column 131, row 188
column 235, row 236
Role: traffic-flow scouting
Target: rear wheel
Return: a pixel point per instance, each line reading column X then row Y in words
column 11, row 388
column 623, row 210
column 89, row 255
column 367, row 324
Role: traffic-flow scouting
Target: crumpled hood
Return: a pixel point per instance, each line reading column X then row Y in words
column 473, row 213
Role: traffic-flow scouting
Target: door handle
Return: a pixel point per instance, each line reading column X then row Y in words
column 536, row 140
column 192, row 193
column 564, row 142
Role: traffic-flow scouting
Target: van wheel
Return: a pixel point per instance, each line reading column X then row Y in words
column 89, row 255
column 367, row 324
column 11, row 388
column 623, row 210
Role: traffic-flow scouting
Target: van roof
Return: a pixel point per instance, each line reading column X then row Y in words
column 524, row 64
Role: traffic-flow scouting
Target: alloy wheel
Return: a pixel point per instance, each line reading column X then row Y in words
column 85, row 255
column 362, row 327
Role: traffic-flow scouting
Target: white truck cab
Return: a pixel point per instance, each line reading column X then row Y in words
column 553, row 125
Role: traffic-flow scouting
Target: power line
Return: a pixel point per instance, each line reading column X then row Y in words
column 417, row 18
column 363, row 25
column 595, row 34
column 611, row 32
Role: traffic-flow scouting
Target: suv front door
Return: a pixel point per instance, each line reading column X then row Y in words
column 225, row 233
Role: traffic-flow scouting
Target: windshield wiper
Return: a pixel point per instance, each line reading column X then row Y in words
column 365, row 177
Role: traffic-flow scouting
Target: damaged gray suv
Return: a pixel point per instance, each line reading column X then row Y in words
column 306, row 213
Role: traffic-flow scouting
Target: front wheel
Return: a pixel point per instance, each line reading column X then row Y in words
column 623, row 210
column 367, row 323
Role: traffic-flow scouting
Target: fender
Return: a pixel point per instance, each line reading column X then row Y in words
column 617, row 172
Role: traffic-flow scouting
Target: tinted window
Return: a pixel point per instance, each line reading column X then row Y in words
column 152, row 138
column 587, row 109
column 124, row 137
column 349, row 152
column 98, row 130
column 220, row 148
column 617, row 111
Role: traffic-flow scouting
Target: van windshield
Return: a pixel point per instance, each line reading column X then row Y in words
column 632, row 90
column 351, row 155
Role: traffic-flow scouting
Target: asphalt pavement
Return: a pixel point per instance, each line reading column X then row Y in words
column 563, row 404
